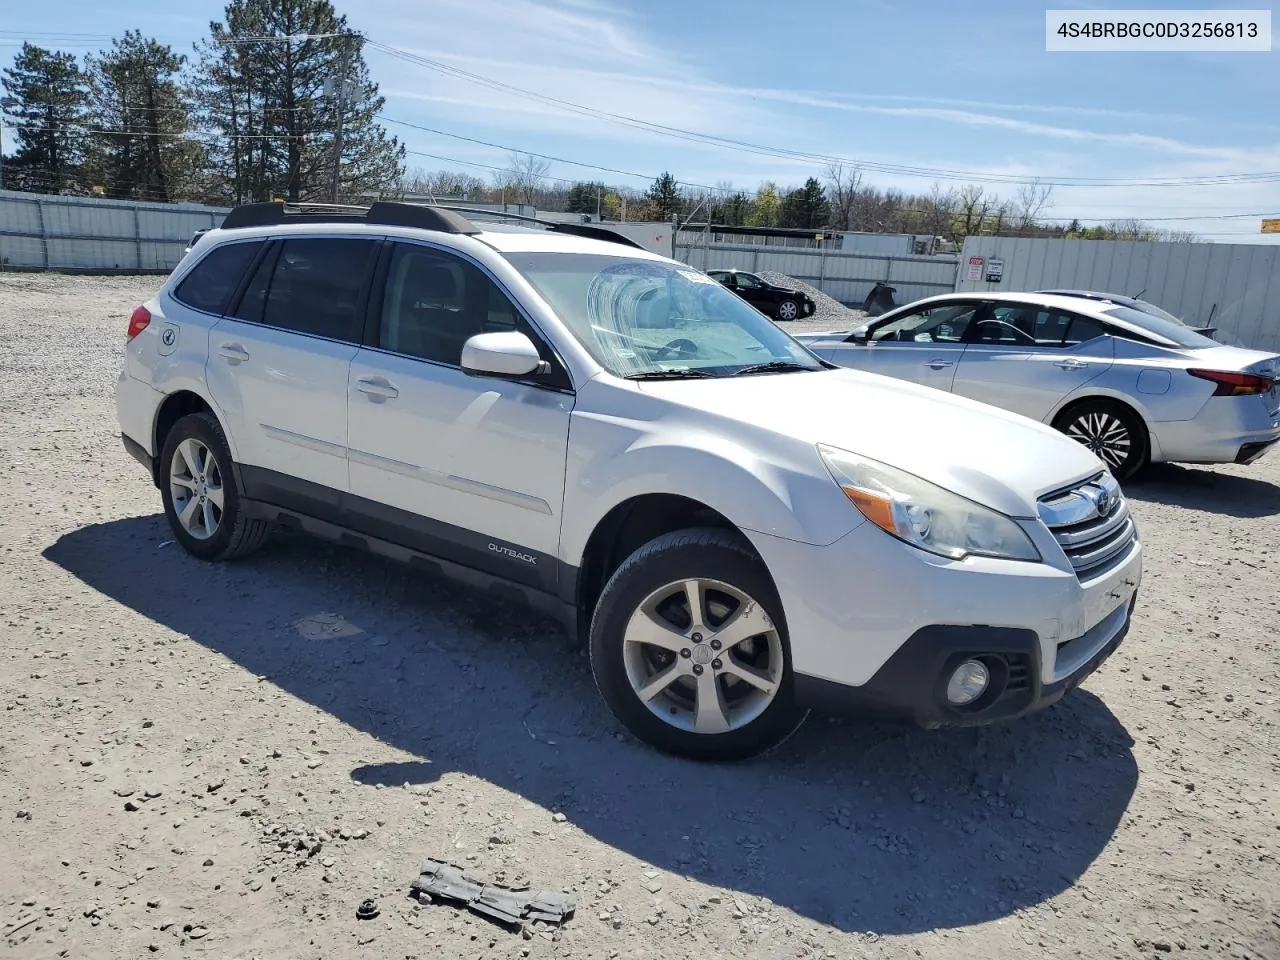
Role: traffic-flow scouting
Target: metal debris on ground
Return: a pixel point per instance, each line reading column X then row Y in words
column 367, row 910
column 511, row 907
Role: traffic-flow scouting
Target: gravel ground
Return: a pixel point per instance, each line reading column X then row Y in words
column 225, row 761
column 828, row 314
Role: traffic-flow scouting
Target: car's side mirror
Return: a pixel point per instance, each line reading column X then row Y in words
column 506, row 354
column 860, row 334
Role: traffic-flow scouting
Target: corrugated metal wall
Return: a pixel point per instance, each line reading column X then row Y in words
column 1238, row 283
column 85, row 233
column 848, row 277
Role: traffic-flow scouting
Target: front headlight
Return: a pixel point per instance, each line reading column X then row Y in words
column 922, row 513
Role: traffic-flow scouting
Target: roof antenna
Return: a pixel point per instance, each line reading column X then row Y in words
column 1138, row 295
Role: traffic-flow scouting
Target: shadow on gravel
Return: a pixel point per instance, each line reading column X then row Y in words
column 864, row 828
column 1207, row 490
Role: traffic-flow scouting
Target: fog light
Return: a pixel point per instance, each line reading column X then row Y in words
column 968, row 683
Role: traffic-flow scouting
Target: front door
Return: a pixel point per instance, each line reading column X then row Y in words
column 472, row 468
column 1027, row 358
column 923, row 346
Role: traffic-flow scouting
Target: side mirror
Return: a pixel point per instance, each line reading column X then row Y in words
column 506, row 354
column 860, row 334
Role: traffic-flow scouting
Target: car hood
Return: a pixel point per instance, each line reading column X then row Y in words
column 999, row 459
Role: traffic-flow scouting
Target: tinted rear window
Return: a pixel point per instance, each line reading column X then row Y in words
column 214, row 279
column 1169, row 330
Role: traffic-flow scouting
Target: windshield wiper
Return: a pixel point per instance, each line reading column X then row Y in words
column 774, row 366
column 670, row 375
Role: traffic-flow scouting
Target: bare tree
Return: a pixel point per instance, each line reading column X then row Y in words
column 843, row 184
column 940, row 211
column 975, row 204
column 1031, row 200
column 527, row 174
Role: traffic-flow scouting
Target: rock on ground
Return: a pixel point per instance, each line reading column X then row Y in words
column 299, row 730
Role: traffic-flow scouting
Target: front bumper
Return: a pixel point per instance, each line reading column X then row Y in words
column 911, row 686
column 876, row 625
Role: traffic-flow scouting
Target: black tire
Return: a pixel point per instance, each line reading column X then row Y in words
column 708, row 554
column 235, row 534
column 786, row 306
column 1111, row 430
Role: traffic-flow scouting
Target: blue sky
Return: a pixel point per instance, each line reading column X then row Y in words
column 965, row 87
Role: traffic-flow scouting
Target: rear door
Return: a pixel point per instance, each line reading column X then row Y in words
column 278, row 366
column 1026, row 358
column 923, row 346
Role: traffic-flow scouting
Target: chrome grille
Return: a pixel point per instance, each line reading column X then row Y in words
column 1092, row 524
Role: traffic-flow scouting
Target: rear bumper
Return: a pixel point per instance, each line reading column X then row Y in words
column 1227, row 430
column 1253, row 452
column 139, row 453
column 911, row 686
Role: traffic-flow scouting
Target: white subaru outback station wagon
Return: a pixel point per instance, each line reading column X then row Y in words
column 740, row 529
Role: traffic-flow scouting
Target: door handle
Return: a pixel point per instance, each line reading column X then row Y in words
column 940, row 364
column 377, row 387
column 1070, row 364
column 233, row 351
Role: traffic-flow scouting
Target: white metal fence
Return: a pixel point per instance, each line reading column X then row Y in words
column 848, row 277
column 1232, row 286
column 41, row 232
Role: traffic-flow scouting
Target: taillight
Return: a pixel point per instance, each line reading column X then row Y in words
column 138, row 321
column 1234, row 384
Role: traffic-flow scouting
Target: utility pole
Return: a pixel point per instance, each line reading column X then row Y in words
column 6, row 103
column 338, row 88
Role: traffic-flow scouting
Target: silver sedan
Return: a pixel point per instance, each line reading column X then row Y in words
column 1132, row 387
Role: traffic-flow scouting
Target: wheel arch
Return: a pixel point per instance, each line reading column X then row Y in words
column 179, row 403
column 1073, row 401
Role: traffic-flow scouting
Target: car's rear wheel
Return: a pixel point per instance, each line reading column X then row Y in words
column 689, row 649
column 201, row 500
column 1114, row 432
column 788, row 310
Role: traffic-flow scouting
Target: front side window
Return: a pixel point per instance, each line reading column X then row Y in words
column 748, row 282
column 945, row 323
column 434, row 302
column 213, row 281
column 638, row 317
column 315, row 286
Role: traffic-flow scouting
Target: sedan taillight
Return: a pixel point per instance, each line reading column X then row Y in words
column 1234, row 384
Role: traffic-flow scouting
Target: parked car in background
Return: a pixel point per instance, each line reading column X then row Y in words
column 781, row 303
column 694, row 495
column 1133, row 387
column 1132, row 302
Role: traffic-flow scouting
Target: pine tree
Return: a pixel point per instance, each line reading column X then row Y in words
column 282, row 108
column 807, row 207
column 50, row 89
column 664, row 198
column 140, row 147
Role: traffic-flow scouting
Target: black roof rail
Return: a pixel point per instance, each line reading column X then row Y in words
column 576, row 229
column 383, row 212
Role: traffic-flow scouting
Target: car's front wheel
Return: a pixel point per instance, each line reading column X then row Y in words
column 689, row 649
column 201, row 500
column 788, row 310
column 1114, row 432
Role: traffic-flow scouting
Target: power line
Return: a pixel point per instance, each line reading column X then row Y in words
column 938, row 173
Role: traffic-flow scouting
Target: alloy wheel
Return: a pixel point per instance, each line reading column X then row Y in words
column 1105, row 435
column 195, row 486
column 788, row 311
column 703, row 656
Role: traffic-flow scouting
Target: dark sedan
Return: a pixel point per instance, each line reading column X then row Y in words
column 781, row 303
column 1132, row 303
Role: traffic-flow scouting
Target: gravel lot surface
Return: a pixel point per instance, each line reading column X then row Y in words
column 224, row 761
